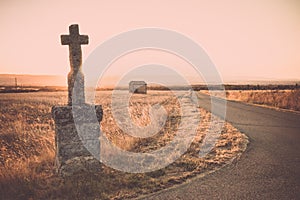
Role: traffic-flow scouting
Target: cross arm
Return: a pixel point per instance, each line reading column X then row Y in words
column 65, row 39
column 84, row 39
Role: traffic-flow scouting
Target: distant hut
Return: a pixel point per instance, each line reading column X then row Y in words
column 139, row 87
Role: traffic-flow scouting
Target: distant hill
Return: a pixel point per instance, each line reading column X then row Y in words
column 32, row 80
column 52, row 80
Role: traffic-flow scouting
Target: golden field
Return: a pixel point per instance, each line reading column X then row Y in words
column 27, row 151
column 284, row 99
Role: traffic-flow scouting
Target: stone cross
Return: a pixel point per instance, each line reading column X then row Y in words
column 75, row 40
column 77, row 128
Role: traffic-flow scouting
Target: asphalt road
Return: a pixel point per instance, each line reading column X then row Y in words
column 270, row 167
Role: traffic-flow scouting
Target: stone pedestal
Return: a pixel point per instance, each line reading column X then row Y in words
column 77, row 138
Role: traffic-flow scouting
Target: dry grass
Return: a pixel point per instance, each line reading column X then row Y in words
column 285, row 99
column 27, row 150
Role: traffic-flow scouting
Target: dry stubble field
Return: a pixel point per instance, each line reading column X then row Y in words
column 284, row 99
column 27, row 149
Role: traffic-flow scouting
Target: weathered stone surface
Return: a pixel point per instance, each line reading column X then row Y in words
column 84, row 113
column 76, row 125
column 77, row 134
column 76, row 94
column 75, row 40
column 80, row 164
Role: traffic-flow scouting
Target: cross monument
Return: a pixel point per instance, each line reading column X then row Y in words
column 77, row 132
column 75, row 40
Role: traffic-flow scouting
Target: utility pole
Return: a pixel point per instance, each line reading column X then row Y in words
column 16, row 83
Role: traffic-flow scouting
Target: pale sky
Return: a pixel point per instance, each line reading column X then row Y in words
column 245, row 39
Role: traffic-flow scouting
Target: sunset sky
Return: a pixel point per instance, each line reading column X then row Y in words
column 249, row 39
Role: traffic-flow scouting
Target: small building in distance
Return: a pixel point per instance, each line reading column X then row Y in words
column 139, row 87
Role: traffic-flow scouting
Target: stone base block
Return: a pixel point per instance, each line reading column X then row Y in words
column 77, row 137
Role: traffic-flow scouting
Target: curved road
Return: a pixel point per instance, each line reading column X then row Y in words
column 270, row 167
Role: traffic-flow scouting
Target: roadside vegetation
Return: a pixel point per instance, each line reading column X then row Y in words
column 27, row 150
column 284, row 99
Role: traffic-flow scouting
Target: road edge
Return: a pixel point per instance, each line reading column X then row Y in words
column 201, row 175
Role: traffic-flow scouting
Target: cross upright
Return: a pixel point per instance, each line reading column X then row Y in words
column 75, row 40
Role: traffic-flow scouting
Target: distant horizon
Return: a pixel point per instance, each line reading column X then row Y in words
column 60, row 80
